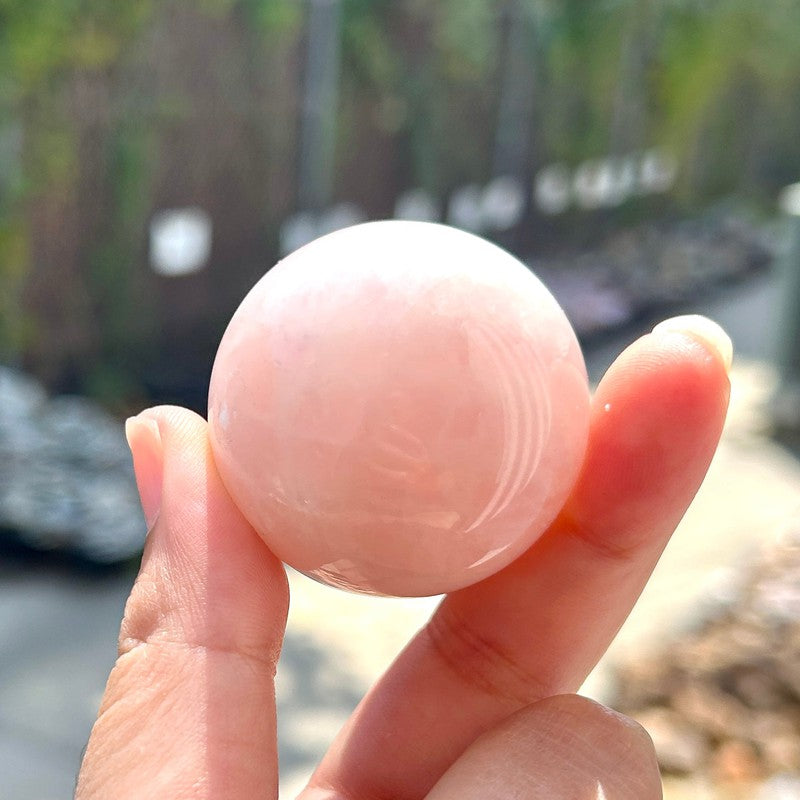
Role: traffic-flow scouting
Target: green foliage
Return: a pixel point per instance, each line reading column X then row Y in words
column 15, row 328
column 367, row 47
column 722, row 71
column 465, row 33
column 582, row 64
column 275, row 18
column 40, row 38
column 43, row 43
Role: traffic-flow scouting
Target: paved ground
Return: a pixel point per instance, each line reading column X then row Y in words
column 58, row 626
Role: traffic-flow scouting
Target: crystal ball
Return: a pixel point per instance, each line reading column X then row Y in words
column 399, row 408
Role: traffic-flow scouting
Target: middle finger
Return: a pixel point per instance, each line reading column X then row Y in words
column 538, row 627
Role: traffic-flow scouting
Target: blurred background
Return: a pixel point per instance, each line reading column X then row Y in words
column 641, row 156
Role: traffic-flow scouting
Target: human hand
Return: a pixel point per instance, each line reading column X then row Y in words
column 476, row 706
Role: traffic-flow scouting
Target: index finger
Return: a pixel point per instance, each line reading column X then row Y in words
column 538, row 627
column 189, row 708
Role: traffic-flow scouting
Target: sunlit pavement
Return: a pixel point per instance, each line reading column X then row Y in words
column 58, row 628
column 58, row 634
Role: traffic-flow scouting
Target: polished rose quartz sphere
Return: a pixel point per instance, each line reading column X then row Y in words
column 399, row 408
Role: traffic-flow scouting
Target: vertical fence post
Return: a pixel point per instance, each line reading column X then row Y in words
column 515, row 111
column 319, row 105
column 630, row 104
column 507, row 198
column 786, row 405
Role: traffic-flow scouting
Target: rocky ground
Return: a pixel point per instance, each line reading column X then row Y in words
column 66, row 478
column 642, row 269
column 722, row 702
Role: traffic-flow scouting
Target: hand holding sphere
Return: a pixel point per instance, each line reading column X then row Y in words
column 399, row 409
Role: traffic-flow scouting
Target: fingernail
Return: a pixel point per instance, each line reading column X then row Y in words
column 144, row 440
column 699, row 327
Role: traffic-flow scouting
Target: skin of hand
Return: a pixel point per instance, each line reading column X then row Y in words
column 479, row 704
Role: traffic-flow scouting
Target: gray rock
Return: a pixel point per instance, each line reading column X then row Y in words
column 66, row 479
column 644, row 268
column 19, row 394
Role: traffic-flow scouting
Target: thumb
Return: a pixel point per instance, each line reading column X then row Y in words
column 189, row 708
column 563, row 748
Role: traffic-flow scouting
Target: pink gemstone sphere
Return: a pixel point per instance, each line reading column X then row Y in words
column 399, row 408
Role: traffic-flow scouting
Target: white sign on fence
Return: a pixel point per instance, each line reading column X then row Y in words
column 789, row 200
column 180, row 241
column 501, row 204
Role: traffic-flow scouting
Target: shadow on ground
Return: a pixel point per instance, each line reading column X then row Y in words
column 316, row 692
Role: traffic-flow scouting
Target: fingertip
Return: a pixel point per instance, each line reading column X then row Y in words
column 598, row 722
column 174, row 422
column 673, row 358
column 202, row 556
column 679, row 369
column 150, row 435
column 702, row 329
column 657, row 417
column 144, row 440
